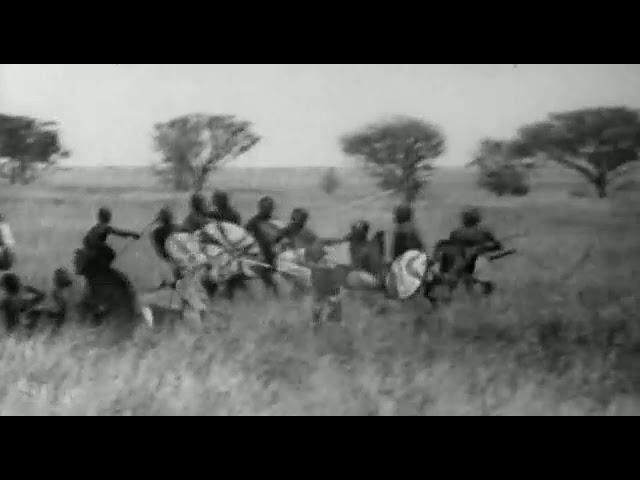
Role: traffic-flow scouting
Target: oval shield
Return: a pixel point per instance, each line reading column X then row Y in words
column 227, row 249
column 407, row 274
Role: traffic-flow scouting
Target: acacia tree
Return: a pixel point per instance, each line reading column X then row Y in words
column 193, row 146
column 29, row 146
column 500, row 169
column 399, row 153
column 599, row 143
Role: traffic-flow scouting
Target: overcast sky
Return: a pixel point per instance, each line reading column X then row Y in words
column 107, row 111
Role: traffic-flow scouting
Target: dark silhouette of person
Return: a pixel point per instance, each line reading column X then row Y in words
column 295, row 234
column 222, row 209
column 197, row 218
column 266, row 207
column 18, row 300
column 406, row 236
column 473, row 239
column 95, row 241
column 159, row 236
column 57, row 308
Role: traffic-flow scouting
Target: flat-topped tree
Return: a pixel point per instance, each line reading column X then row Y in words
column 29, row 144
column 398, row 152
column 599, row 143
column 193, row 146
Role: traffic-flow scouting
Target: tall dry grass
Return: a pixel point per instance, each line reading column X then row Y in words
column 545, row 344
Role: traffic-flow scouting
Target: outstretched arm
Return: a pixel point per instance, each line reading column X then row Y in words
column 124, row 233
column 329, row 242
column 282, row 234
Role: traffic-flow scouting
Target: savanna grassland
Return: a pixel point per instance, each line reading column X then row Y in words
column 560, row 337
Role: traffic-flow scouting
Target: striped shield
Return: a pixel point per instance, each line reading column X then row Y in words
column 291, row 263
column 227, row 250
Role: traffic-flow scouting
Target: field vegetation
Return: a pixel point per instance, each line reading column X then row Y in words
column 560, row 337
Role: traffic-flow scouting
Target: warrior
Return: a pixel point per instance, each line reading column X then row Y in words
column 98, row 255
column 60, row 296
column 293, row 241
column 197, row 218
column 326, row 285
column 57, row 306
column 95, row 241
column 406, row 236
column 166, row 227
column 448, row 258
column 473, row 240
column 358, row 239
column 295, row 234
column 223, row 211
column 19, row 300
column 266, row 206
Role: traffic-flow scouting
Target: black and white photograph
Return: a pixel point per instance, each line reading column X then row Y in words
column 300, row 240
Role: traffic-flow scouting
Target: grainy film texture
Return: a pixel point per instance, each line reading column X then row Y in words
column 319, row 240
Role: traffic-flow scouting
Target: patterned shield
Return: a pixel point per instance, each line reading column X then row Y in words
column 186, row 251
column 226, row 249
column 291, row 263
column 407, row 274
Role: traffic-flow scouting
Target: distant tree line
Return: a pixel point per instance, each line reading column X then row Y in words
column 399, row 152
column 601, row 144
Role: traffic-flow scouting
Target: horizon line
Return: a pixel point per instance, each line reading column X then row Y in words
column 236, row 167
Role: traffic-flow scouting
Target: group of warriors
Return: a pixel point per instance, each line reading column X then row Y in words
column 211, row 252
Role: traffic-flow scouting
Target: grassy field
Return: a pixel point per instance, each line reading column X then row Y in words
column 550, row 342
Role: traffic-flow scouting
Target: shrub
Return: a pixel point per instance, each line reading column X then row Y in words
column 330, row 181
column 504, row 180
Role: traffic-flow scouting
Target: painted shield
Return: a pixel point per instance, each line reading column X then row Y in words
column 192, row 292
column 407, row 274
column 230, row 237
column 291, row 263
column 226, row 249
column 186, row 251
